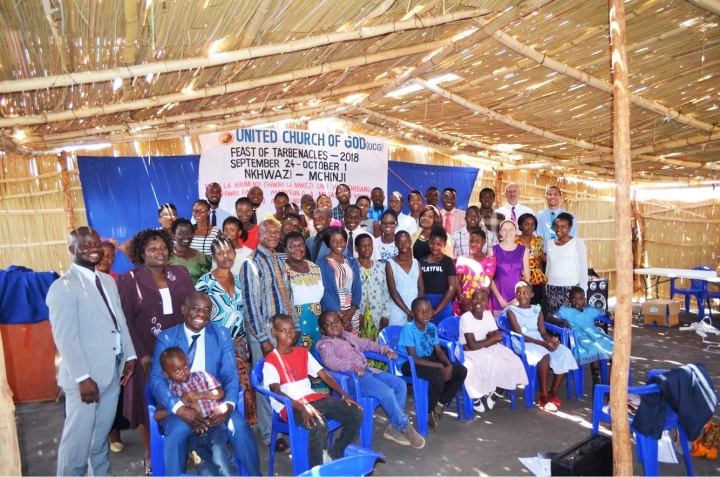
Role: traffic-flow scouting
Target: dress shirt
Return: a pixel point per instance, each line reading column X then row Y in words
column 375, row 213
column 355, row 233
column 347, row 354
column 457, row 219
column 406, row 223
column 544, row 228
column 337, row 212
column 520, row 209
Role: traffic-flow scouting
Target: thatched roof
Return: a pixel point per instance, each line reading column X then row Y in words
column 511, row 85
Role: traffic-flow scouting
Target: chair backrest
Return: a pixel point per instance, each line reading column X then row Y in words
column 449, row 328
column 390, row 336
column 502, row 322
column 356, row 465
column 701, row 284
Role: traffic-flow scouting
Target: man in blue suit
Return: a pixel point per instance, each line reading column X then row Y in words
column 209, row 348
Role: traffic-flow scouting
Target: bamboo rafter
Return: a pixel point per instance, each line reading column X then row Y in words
column 244, row 85
column 218, row 59
column 597, row 83
column 255, row 107
column 712, row 6
column 520, row 10
column 544, row 133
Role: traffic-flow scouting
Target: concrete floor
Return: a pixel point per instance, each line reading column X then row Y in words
column 488, row 445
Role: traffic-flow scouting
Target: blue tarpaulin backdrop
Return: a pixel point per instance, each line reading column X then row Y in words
column 404, row 177
column 122, row 194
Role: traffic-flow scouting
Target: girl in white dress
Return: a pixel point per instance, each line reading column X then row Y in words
column 492, row 368
column 541, row 348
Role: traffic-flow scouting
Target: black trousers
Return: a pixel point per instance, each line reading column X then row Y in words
column 439, row 390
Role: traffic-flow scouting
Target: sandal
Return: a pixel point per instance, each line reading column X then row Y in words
column 546, row 403
column 492, row 400
column 117, row 446
column 554, row 399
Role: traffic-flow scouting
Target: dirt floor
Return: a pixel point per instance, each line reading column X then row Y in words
column 490, row 444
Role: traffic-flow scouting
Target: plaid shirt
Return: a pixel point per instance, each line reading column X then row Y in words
column 199, row 381
column 461, row 241
column 492, row 222
column 337, row 212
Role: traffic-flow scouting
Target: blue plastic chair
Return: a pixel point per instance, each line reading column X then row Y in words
column 358, row 461
column 698, row 289
column 512, row 338
column 646, row 446
column 369, row 404
column 297, row 434
column 449, row 329
column 157, row 439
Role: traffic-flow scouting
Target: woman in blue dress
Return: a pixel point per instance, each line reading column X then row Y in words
column 404, row 279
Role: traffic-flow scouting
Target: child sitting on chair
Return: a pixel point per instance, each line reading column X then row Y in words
column 591, row 344
column 343, row 351
column 541, row 348
column 201, row 391
column 492, row 368
column 286, row 372
column 419, row 339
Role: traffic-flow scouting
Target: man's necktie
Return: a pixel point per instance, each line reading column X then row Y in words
column 316, row 247
column 102, row 294
column 512, row 215
column 192, row 350
column 448, row 228
column 213, row 219
column 351, row 245
column 552, row 225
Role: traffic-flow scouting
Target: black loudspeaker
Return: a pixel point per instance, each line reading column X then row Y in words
column 597, row 293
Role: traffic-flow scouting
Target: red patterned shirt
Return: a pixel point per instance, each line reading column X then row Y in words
column 200, row 381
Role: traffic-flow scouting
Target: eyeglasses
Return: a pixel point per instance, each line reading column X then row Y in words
column 200, row 211
column 295, row 246
column 388, row 223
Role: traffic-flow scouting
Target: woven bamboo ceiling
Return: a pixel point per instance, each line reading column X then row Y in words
column 504, row 83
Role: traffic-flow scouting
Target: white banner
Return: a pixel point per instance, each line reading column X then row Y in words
column 294, row 161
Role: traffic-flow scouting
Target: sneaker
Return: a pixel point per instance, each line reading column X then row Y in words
column 478, row 405
column 396, row 436
column 412, row 436
column 435, row 417
column 439, row 411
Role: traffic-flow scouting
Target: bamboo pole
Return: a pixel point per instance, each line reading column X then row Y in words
column 9, row 447
column 59, row 45
column 590, row 80
column 65, row 187
column 252, row 27
column 639, row 250
column 622, row 453
column 292, row 102
column 156, row 101
column 131, row 29
column 219, row 59
column 544, row 133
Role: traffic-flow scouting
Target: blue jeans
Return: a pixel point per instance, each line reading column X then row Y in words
column 391, row 391
column 211, row 454
column 444, row 312
column 177, row 435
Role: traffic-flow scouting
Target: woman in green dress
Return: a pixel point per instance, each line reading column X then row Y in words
column 197, row 263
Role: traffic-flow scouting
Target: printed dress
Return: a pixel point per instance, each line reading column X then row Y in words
column 307, row 292
column 473, row 275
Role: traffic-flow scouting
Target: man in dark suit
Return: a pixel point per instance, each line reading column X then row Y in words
column 97, row 353
column 209, row 348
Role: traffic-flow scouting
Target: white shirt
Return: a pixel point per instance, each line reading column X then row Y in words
column 199, row 361
column 567, row 264
column 355, row 233
column 520, row 209
column 406, row 223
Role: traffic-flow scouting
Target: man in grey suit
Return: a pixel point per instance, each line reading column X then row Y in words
column 97, row 353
